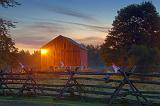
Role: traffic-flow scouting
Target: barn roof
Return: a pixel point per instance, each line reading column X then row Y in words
column 69, row 39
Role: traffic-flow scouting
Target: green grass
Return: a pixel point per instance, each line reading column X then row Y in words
column 50, row 100
column 47, row 100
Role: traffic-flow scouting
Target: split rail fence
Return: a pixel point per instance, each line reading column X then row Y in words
column 102, row 86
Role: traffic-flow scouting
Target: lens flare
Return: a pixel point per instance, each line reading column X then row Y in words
column 44, row 51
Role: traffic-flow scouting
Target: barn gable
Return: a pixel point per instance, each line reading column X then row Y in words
column 61, row 38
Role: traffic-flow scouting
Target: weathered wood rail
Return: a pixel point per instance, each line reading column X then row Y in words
column 92, row 84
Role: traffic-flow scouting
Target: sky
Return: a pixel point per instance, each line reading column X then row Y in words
column 85, row 21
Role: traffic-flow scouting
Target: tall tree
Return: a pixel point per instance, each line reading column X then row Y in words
column 136, row 24
column 7, row 48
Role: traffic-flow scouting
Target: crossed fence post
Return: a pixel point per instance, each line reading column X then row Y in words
column 126, row 80
column 29, row 84
column 71, row 82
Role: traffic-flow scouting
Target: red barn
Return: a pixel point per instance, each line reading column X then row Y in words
column 63, row 51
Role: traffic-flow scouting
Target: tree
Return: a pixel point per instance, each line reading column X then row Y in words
column 29, row 60
column 136, row 24
column 36, row 59
column 8, row 3
column 146, row 59
column 24, row 57
column 94, row 59
column 7, row 49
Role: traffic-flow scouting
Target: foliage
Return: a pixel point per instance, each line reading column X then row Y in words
column 94, row 59
column 28, row 59
column 135, row 24
column 24, row 57
column 8, row 3
column 146, row 59
column 135, row 33
column 7, row 49
column 36, row 59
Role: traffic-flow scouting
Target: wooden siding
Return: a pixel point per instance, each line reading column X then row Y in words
column 65, row 50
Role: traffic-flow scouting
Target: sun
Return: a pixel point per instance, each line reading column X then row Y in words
column 44, row 51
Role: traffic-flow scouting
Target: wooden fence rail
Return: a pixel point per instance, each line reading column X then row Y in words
column 91, row 84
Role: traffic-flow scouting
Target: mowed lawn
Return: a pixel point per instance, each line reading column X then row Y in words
column 47, row 101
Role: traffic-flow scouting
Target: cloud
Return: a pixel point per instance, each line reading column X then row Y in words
column 40, row 31
column 67, row 11
column 31, row 40
column 62, row 24
column 37, row 33
column 91, row 40
column 85, row 26
column 88, row 26
column 92, row 27
column 47, row 27
column 71, row 12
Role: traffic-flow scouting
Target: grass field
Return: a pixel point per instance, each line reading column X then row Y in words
column 52, row 101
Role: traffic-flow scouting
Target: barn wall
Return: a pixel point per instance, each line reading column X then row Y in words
column 63, row 50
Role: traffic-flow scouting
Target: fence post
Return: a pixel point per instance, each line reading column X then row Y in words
column 126, row 80
column 30, row 84
column 70, row 84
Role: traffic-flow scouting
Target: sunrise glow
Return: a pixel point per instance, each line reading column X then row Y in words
column 44, row 51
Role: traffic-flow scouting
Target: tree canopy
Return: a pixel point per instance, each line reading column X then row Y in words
column 8, row 3
column 7, row 49
column 135, row 25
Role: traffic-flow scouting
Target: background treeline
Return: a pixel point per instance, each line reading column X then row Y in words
column 94, row 59
column 34, row 60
